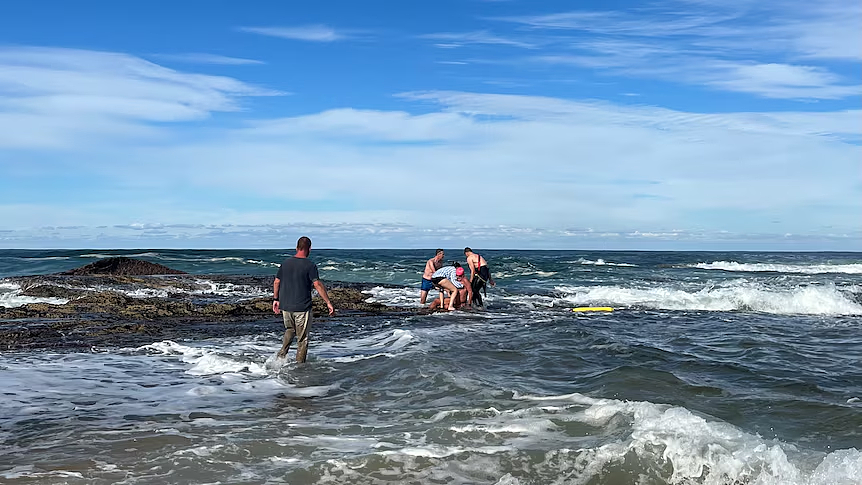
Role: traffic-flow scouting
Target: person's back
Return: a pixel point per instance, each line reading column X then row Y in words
column 297, row 277
column 292, row 297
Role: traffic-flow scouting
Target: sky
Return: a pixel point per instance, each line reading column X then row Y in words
column 671, row 125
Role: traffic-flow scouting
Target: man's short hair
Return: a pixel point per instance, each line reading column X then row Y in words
column 439, row 251
column 456, row 264
column 467, row 250
column 303, row 244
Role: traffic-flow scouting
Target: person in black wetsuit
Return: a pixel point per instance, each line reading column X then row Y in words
column 480, row 275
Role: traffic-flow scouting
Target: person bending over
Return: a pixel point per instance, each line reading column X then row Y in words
column 446, row 279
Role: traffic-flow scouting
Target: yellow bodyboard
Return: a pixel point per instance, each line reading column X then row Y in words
column 593, row 309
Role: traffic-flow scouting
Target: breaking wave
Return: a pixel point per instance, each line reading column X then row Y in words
column 739, row 296
column 781, row 268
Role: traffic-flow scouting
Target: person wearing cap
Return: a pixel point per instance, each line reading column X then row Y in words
column 446, row 279
column 461, row 298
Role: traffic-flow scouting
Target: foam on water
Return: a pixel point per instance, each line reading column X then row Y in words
column 206, row 361
column 602, row 262
column 11, row 297
column 387, row 344
column 823, row 299
column 228, row 289
column 405, row 297
column 700, row 450
column 781, row 268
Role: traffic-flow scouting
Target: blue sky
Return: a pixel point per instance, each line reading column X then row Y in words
column 689, row 124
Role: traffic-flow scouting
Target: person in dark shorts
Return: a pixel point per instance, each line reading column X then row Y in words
column 296, row 277
column 480, row 275
column 431, row 266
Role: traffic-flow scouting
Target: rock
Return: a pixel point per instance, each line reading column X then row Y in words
column 51, row 291
column 112, row 318
column 122, row 266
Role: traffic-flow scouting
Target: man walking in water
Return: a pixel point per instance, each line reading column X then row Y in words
column 292, row 297
column 431, row 266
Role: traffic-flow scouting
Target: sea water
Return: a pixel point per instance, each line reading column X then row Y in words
column 714, row 368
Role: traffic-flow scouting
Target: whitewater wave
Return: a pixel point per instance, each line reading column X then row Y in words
column 824, row 299
column 780, row 268
column 602, row 262
column 11, row 297
column 404, row 297
column 699, row 450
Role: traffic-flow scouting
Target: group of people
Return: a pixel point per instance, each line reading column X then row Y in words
column 462, row 291
column 298, row 276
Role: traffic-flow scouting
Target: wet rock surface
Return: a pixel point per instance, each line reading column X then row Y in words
column 102, row 312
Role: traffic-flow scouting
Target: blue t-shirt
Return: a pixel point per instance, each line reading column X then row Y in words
column 297, row 276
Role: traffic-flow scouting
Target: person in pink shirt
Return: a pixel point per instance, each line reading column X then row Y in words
column 431, row 266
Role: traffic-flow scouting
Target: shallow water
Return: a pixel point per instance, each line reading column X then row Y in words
column 714, row 368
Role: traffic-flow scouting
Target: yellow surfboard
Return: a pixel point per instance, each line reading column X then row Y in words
column 593, row 309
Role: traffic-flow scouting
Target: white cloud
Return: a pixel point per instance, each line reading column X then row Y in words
column 741, row 46
column 458, row 39
column 779, row 80
column 538, row 162
column 203, row 58
column 60, row 97
column 311, row 33
column 471, row 162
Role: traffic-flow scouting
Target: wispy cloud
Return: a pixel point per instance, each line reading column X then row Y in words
column 57, row 97
column 458, row 39
column 547, row 164
column 775, row 50
column 202, row 58
column 310, row 33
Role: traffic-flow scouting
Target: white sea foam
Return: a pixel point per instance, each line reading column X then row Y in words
column 405, row 297
column 228, row 289
column 205, row 288
column 385, row 344
column 236, row 259
column 11, row 297
column 733, row 296
column 700, row 450
column 781, row 268
column 602, row 262
column 520, row 272
column 205, row 361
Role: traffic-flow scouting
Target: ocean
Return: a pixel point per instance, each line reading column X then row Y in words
column 714, row 368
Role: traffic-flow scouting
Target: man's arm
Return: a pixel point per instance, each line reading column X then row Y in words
column 321, row 290
column 275, row 305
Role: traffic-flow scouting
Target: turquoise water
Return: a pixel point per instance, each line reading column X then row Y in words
column 716, row 368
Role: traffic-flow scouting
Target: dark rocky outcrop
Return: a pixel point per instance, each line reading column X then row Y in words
column 101, row 313
column 122, row 266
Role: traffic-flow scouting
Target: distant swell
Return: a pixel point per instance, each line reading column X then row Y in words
column 781, row 268
column 808, row 300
